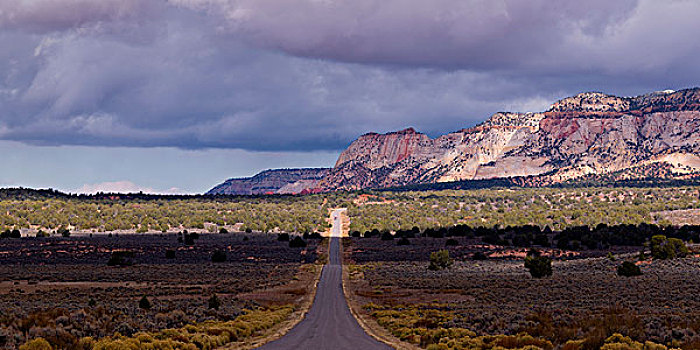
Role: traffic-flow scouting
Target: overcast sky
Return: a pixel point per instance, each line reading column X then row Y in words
column 179, row 95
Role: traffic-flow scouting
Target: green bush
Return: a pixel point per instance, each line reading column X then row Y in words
column 539, row 266
column 663, row 248
column 440, row 260
column 628, row 269
column 63, row 232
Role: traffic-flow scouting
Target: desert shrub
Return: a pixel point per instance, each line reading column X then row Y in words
column 15, row 234
column 283, row 237
column 312, row 235
column 85, row 343
column 451, row 242
column 479, row 256
column 190, row 238
column 144, row 303
column 36, row 344
column 372, row 234
column 204, row 335
column 170, row 254
column 297, row 242
column 521, row 240
column 538, row 265
column 214, row 302
column 218, row 256
column 620, row 342
column 628, row 269
column 223, row 230
column 667, row 248
column 63, row 232
column 403, row 241
column 355, row 234
column 121, row 258
column 42, row 234
column 440, row 260
column 542, row 240
column 641, row 256
column 387, row 236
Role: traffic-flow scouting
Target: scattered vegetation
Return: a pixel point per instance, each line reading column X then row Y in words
column 205, row 335
column 538, row 265
column 144, row 303
column 440, row 260
column 667, row 248
column 66, row 294
column 580, row 306
column 297, row 242
column 218, row 256
column 629, row 269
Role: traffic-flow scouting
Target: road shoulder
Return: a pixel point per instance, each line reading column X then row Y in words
column 280, row 330
column 366, row 322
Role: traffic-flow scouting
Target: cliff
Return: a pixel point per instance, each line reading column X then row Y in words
column 590, row 133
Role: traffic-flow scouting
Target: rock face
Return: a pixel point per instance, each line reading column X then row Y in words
column 590, row 133
column 278, row 181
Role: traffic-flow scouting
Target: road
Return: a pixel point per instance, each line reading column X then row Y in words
column 329, row 323
column 337, row 228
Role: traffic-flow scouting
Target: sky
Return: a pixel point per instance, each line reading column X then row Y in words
column 176, row 96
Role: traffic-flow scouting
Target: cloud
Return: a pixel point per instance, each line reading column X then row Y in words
column 50, row 15
column 122, row 187
column 305, row 75
column 471, row 34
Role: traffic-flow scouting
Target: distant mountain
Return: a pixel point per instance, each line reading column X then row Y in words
column 278, row 181
column 588, row 136
column 590, row 133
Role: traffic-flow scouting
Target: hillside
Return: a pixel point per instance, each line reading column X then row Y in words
column 277, row 181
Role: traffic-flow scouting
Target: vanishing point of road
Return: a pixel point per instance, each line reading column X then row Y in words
column 328, row 325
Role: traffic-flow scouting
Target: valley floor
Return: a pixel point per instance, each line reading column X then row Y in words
column 477, row 303
column 62, row 289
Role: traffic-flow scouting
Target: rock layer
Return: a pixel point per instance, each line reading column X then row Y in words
column 590, row 133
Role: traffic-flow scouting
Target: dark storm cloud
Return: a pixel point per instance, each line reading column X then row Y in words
column 466, row 34
column 306, row 75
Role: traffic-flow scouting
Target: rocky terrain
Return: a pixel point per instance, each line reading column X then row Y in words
column 277, row 181
column 590, row 133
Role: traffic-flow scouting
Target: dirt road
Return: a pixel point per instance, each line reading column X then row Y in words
column 329, row 324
